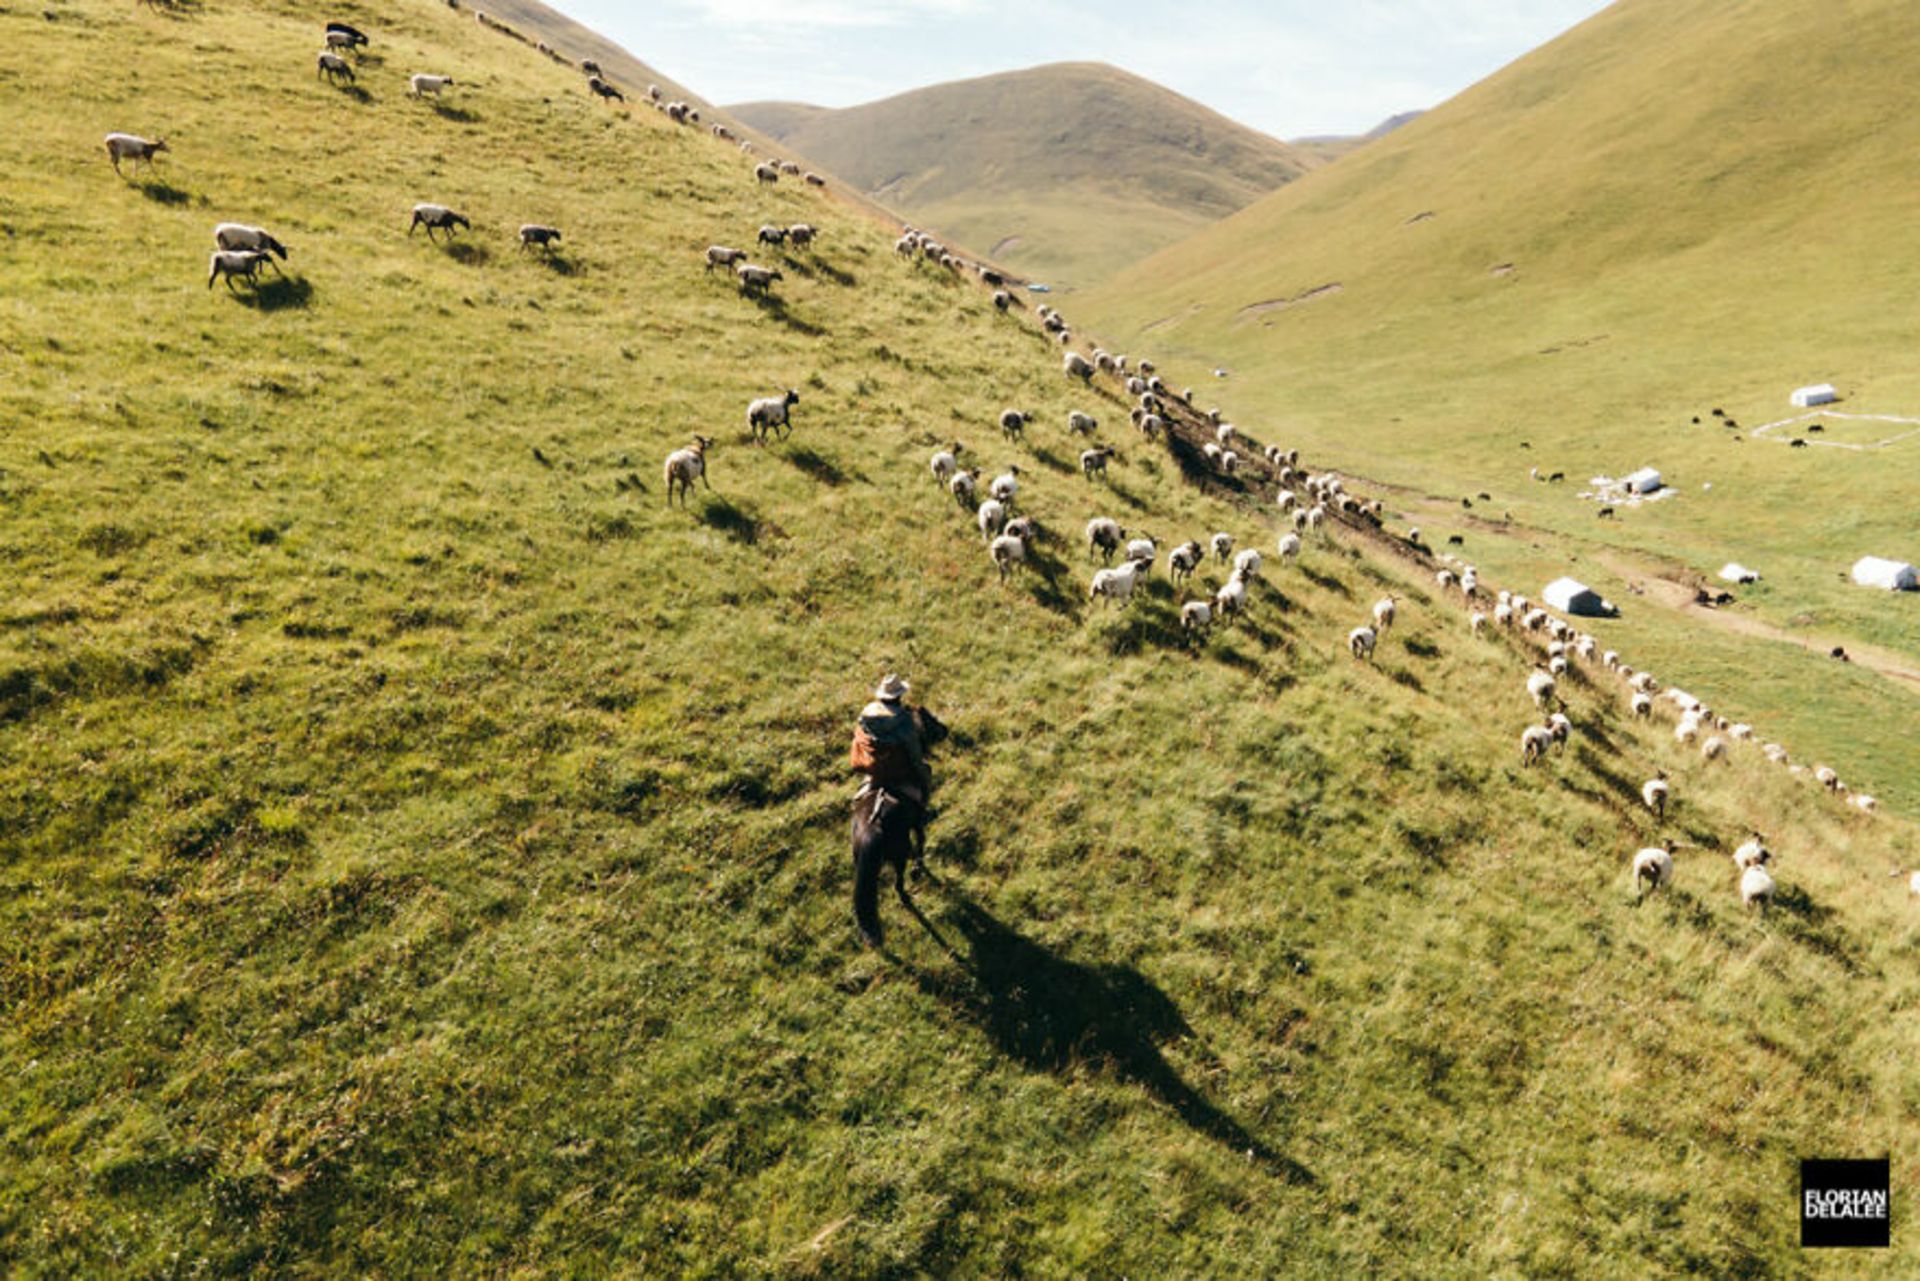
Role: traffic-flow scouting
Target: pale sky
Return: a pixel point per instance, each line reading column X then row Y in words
column 1292, row 68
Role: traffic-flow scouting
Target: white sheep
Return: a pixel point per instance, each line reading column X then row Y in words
column 1005, row 485
column 235, row 235
column 127, row 146
column 1643, row 705
column 723, row 256
column 1740, row 733
column 771, row 414
column 945, row 462
column 1653, row 868
column 1286, row 500
column 1714, row 748
column 1477, row 623
column 1469, row 583
column 1231, row 598
column 1247, row 564
column 1863, row 802
column 683, row 466
column 962, row 486
column 1196, row 616
column 992, row 518
column 1686, row 732
column 1103, row 537
column 1535, row 740
column 1361, row 642
column 1142, row 552
column 1540, row 688
column 1756, row 889
column 1183, row 560
column 244, row 264
column 1081, row 424
column 1288, row 547
column 1229, row 461
column 1556, row 666
column 1560, row 727
column 333, row 67
column 1009, row 552
column 1225, row 434
column 1094, row 462
column 437, row 218
column 1826, row 778
column 1503, row 614
column 420, row 85
column 1654, row 793
column 1315, row 516
column 1115, row 585
column 1074, row 365
column 1222, row 546
column 1610, row 660
column 752, row 276
column 1753, row 853
column 764, row 172
column 1383, row 611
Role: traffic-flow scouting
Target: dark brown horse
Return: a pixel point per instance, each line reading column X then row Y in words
column 885, row 826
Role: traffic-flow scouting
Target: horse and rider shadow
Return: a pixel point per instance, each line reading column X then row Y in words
column 1045, row 1011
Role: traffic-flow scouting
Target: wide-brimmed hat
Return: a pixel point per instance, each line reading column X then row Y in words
column 892, row 689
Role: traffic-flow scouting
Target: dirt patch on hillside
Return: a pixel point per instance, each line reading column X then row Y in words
column 1281, row 304
column 1504, row 269
column 1005, row 246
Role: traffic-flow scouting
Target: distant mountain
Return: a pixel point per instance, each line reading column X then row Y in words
column 1069, row 171
column 1327, row 148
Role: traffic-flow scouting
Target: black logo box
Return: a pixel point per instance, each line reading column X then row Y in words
column 1846, row 1204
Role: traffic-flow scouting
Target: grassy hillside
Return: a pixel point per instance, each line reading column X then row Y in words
column 1569, row 267
column 421, row 850
column 1066, row 172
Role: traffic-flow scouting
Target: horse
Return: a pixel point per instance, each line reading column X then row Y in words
column 884, row 828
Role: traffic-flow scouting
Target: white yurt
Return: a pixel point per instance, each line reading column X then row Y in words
column 1570, row 596
column 1888, row 575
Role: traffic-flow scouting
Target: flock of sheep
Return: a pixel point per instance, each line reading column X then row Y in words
column 242, row 251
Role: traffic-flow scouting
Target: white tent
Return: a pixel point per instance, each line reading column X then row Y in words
column 1734, row 572
column 1644, row 481
column 1819, row 394
column 1571, row 597
column 1890, row 575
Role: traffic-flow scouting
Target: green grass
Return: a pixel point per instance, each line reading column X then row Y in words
column 422, row 851
column 1674, row 249
column 1065, row 172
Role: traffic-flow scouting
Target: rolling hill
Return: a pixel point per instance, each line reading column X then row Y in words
column 423, row 849
column 1570, row 267
column 1065, row 172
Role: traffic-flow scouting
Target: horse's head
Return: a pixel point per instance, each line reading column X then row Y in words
column 932, row 730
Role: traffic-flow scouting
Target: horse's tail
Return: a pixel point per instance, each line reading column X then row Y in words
column 866, row 882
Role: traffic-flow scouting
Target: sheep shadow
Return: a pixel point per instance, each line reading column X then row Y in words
column 1595, row 764
column 819, row 467
column 560, row 265
column 1051, row 577
column 1143, row 624
column 1420, row 647
column 776, row 307
column 813, row 266
column 1405, row 677
column 1326, row 582
column 1127, row 496
column 1051, row 1014
column 354, row 92
column 466, row 253
column 459, row 115
column 727, row 517
column 282, row 293
column 162, row 192
column 1047, row 458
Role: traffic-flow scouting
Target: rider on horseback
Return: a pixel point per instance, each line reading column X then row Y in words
column 888, row 749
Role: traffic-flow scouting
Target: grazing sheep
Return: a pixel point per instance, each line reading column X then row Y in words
column 1560, row 727
column 244, row 263
column 1289, row 547
column 1151, row 425
column 1081, row 424
column 1383, row 614
column 684, row 465
column 1540, row 688
column 604, row 89
column 813, row 179
column 1653, row 868
column 1246, row 565
column 1654, row 792
column 1184, row 559
column 234, row 235
column 1231, row 599
column 1756, row 889
column 764, row 172
column 1444, row 578
column 1002, row 300
column 1535, row 740
column 1142, row 552
column 344, row 40
column 1556, row 666
column 1643, row 705
column 1286, row 500
column 127, row 146
column 1741, row 733
column 772, row 413
column 1074, row 365
column 1094, row 461
column 1013, row 422
column 1005, row 486
column 1503, row 615
column 1686, row 732
column 1477, row 623
column 437, row 218
column 1361, row 642
column 802, row 233
column 1228, row 461
column 1213, row 453
column 992, row 518
column 420, row 85
column 1826, row 778
column 1222, row 546
column 962, row 486
column 772, row 235
column 353, row 37
column 754, row 277
column 538, row 236
column 1864, row 803
column 1315, row 516
column 1775, row 753
column 945, row 462
column 1009, row 552
column 722, row 256
column 333, row 67
column 1753, row 853
column 1103, row 537
column 1114, row 585
column 1196, row 616
column 1714, row 748
column 789, row 168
